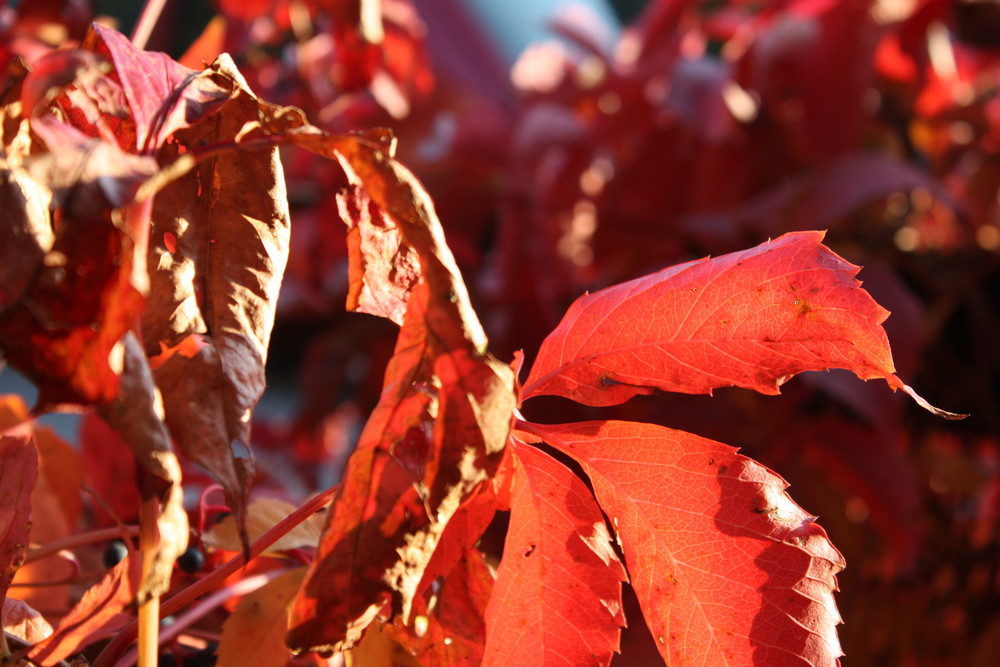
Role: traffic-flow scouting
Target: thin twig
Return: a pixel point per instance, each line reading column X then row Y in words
column 147, row 21
column 80, row 540
column 117, row 646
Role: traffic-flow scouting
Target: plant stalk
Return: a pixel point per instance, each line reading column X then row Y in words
column 149, row 609
column 147, row 21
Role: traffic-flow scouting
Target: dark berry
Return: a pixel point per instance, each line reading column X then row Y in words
column 114, row 553
column 191, row 561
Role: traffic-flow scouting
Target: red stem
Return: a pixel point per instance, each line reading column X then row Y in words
column 117, row 646
column 147, row 21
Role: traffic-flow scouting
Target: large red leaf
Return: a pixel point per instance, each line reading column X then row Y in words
column 749, row 319
column 727, row 568
column 557, row 598
column 435, row 437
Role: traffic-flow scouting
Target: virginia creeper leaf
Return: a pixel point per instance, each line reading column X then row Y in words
column 436, row 435
column 749, row 319
column 96, row 616
column 727, row 568
column 557, row 598
column 448, row 627
column 18, row 472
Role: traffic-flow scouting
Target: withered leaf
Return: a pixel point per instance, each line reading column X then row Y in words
column 436, row 435
column 218, row 249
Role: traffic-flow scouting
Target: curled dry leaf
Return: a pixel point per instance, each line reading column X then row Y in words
column 435, row 437
column 382, row 268
column 218, row 250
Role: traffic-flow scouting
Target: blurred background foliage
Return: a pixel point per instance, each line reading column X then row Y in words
column 603, row 141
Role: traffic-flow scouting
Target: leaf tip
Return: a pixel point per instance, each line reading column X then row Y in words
column 922, row 402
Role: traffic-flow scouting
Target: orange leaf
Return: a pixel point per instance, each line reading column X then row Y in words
column 96, row 616
column 254, row 634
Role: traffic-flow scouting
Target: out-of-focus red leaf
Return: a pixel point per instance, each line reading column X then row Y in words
column 750, row 319
column 55, row 510
column 254, row 634
column 96, row 616
column 18, row 473
column 812, row 67
column 558, row 592
column 818, row 199
column 727, row 568
column 106, row 461
column 437, row 434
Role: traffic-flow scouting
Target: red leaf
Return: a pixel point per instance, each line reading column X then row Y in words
column 448, row 628
column 557, row 597
column 18, row 472
column 88, row 275
column 96, row 616
column 727, row 568
column 163, row 95
column 751, row 319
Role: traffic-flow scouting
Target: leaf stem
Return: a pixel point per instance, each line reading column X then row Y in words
column 147, row 21
column 149, row 608
column 80, row 540
column 116, row 647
